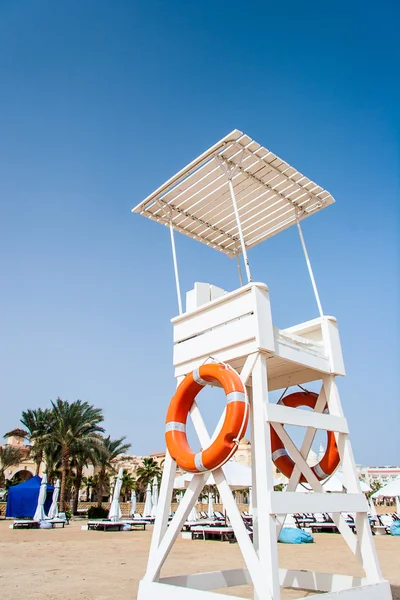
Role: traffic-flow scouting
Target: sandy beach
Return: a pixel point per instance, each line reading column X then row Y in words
column 70, row 564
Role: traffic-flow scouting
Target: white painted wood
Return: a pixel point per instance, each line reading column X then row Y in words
column 311, row 330
column 307, row 443
column 266, row 189
column 307, row 580
column 293, row 353
column 225, row 329
column 253, row 564
column 376, row 591
column 365, row 545
column 263, row 520
column 199, row 295
column 213, row 314
column 241, row 533
column 253, row 472
column 293, row 502
column 333, row 346
column 216, row 292
column 160, row 591
column 291, row 377
column 210, row 581
column 247, row 368
column 199, row 425
column 262, row 308
column 303, row 418
column 164, row 504
column 319, row 582
column 316, row 485
column 185, row 506
column 224, row 355
column 227, row 336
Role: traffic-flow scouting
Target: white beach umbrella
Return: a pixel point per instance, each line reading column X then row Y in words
column 53, row 512
column 133, row 502
column 39, row 512
column 398, row 505
column 154, row 497
column 250, row 509
column 147, row 504
column 115, row 512
column 192, row 516
column 391, row 490
column 210, row 512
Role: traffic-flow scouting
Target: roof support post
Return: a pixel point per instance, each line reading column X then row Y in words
column 168, row 213
column 239, row 270
column 310, row 271
column 178, row 287
column 229, row 172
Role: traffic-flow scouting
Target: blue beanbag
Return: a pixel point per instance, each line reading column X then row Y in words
column 395, row 528
column 292, row 535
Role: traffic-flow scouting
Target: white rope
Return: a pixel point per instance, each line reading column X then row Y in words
column 310, row 271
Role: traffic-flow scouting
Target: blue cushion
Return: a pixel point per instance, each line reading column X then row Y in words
column 395, row 528
column 292, row 535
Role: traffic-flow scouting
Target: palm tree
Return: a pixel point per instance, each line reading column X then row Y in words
column 108, row 452
column 71, row 423
column 90, row 483
column 83, row 453
column 52, row 459
column 375, row 486
column 38, row 422
column 128, row 484
column 147, row 471
column 9, row 456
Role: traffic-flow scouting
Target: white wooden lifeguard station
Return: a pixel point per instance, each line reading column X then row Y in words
column 232, row 197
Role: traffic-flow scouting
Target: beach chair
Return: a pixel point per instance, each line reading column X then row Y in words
column 321, row 524
column 377, row 526
column 386, row 521
column 212, row 533
column 219, row 515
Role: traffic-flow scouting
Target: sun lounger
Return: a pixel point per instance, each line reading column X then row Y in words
column 212, row 533
column 57, row 522
column 25, row 524
column 136, row 523
column 219, row 515
column 106, row 525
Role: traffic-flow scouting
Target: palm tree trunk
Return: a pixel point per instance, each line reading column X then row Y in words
column 38, row 463
column 100, row 488
column 78, row 481
column 64, row 470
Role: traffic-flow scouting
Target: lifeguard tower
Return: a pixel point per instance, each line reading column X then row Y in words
column 234, row 196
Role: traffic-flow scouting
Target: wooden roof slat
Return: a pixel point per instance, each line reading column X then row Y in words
column 269, row 192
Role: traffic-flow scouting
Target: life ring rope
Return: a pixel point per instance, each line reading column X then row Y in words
column 233, row 428
column 283, row 462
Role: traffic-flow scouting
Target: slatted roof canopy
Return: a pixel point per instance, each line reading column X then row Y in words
column 269, row 193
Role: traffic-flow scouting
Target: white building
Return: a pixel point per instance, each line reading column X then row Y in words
column 382, row 475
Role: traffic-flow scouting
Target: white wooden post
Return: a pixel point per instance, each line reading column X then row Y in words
column 263, row 483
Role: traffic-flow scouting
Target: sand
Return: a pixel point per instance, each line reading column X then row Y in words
column 70, row 564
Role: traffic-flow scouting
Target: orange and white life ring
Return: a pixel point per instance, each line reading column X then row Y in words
column 331, row 459
column 232, row 430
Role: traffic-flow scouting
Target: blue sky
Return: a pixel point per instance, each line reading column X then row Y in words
column 101, row 102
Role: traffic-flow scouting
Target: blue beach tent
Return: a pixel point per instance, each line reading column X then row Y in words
column 22, row 499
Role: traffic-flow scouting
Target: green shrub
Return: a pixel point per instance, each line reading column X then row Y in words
column 97, row 512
